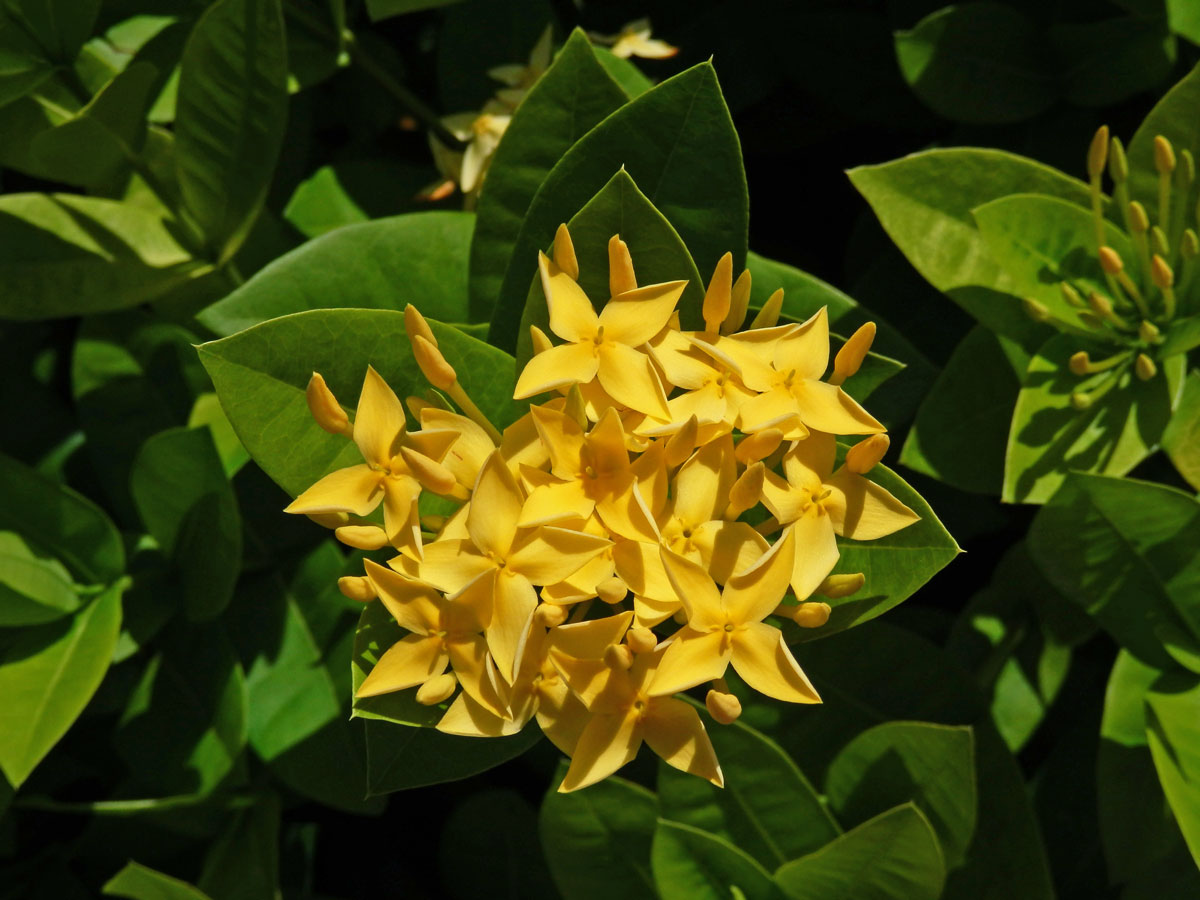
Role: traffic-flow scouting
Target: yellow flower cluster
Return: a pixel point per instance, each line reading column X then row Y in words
column 603, row 557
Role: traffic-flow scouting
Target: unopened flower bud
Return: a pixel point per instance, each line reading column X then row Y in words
column 618, row 656
column 612, row 590
column 1110, row 261
column 539, row 340
column 1160, row 273
column 357, row 587
column 1149, row 332
column 759, row 445
column 329, row 520
column 430, row 473
column 1185, row 174
column 433, row 365
column 1070, row 295
column 564, row 253
column 746, row 491
column 620, row 267
column 325, row 409
column 863, row 456
column 641, row 639
column 812, row 614
column 1144, row 367
column 1118, row 165
column 1079, row 363
column 1080, row 400
column 1190, row 245
column 1101, row 306
column 415, row 324
column 837, row 586
column 1158, row 241
column 1035, row 310
column 738, row 304
column 719, row 297
column 723, row 706
column 1139, row 220
column 681, row 444
column 362, row 537
column 1098, row 152
column 437, row 689
column 1164, row 156
column 850, row 357
column 768, row 316
column 550, row 615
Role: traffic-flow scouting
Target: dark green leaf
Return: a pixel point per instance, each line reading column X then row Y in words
column 1111, row 60
column 383, row 9
column 571, row 98
column 1049, row 437
column 230, row 117
column 674, row 139
column 477, row 36
column 60, row 27
column 894, row 856
column 624, row 72
column 1174, row 118
column 138, row 882
column 33, row 590
column 504, row 859
column 1173, row 729
column 597, row 840
column 690, row 863
column 1181, row 439
column 419, row 258
column 24, row 64
column 47, row 676
column 1182, row 335
column 243, row 864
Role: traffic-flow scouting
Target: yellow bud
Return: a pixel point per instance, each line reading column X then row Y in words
column 362, row 537
column 433, row 523
column 681, row 444
column 723, row 706
column 329, row 520
column 1164, row 156
column 1139, row 221
column 564, row 253
column 719, row 297
column 437, row 689
column 853, row 352
column 738, row 304
column 324, row 407
column 433, row 365
column 1080, row 400
column 746, row 491
column 357, row 587
column 1190, row 245
column 1070, row 294
column 1186, row 173
column 1118, row 165
column 620, row 267
column 1158, row 241
column 1080, row 363
column 1160, row 273
column 1149, row 332
column 768, row 316
column 618, row 656
column 863, row 456
column 1098, row 152
column 550, row 615
column 431, row 473
column 612, row 591
column 640, row 639
column 1101, row 306
column 759, row 445
column 1144, row 367
column 1035, row 310
column 539, row 340
column 812, row 614
column 837, row 586
column 1091, row 320
column 414, row 324
column 1110, row 261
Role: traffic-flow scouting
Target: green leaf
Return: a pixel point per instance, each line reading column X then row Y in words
column 1124, row 550
column 47, row 676
column 66, row 255
column 624, row 72
column 571, row 98
column 186, row 502
column 674, row 139
column 962, row 427
column 33, row 590
column 207, row 413
column 1109, row 61
column 1173, row 729
column 1049, row 437
column 243, row 863
column 895, row 566
column 504, row 859
column 1174, row 118
column 479, row 35
column 58, row 522
column 383, row 9
column 933, row 766
column 657, row 251
column 597, row 840
column 979, row 62
column 1183, row 19
column 690, row 863
column 138, row 882
column 768, row 809
column 260, row 375
column 894, row 856
column 58, row 26
column 924, row 202
column 1181, row 336
column 419, row 258
column 23, row 65
column 376, row 632
column 1181, row 439
column 230, row 116
column 1040, row 242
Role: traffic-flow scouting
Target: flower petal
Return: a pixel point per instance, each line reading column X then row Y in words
column 401, row 519
column 809, row 462
column 412, row 660
column 451, row 565
column 495, row 507
column 512, row 604
column 560, row 366
column 727, row 548
column 468, row 718
column 674, row 731
column 816, row 551
column 776, row 408
column 356, row 490
column 571, row 315
column 563, row 439
column 691, row 658
column 469, row 658
column 752, row 595
column 765, row 663
column 631, row 380
column 607, row 743
column 556, row 503
column 824, row 407
column 862, row 510
column 695, row 589
column 703, row 482
column 549, row 555
column 806, row 348
column 636, row 316
column 561, row 716
column 378, row 421
column 413, row 604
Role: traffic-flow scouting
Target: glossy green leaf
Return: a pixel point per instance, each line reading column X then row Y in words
column 657, row 251
column 1173, row 729
column 207, row 413
column 1124, row 550
column 419, row 258
column 65, row 255
column 58, row 522
column 978, row 62
column 924, row 202
column 933, row 766
column 1049, row 437
column 230, row 117
column 1174, row 118
column 597, row 840
column 260, row 375
column 961, row 428
column 33, row 590
column 243, row 863
column 674, row 139
column 624, row 72
column 47, row 676
column 571, row 98
column 138, row 882
column 1184, row 19
column 1108, row 61
column 1181, row 439
column 768, row 809
column 894, row 856
column 690, row 863
column 187, row 504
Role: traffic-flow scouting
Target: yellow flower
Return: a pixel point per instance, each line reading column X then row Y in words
column 634, row 40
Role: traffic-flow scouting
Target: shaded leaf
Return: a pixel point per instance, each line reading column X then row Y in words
column 1174, row 118
column 505, row 862
column 243, row 863
column 1181, row 439
column 1173, row 730
column 33, row 590
column 690, row 863
column 1111, row 60
column 138, row 882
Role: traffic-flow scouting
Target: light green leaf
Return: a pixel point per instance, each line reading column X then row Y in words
column 243, row 863
column 571, row 98
column 1173, row 729
column 1124, row 550
column 207, row 413
column 674, row 139
column 1181, row 439
column 1174, row 118
column 1181, row 336
column 230, row 117
column 1183, row 18
column 961, row 428
column 924, row 202
column 418, row 258
column 58, row 522
column 47, row 676
column 1049, row 437
column 33, row 590
column 768, row 809
column 138, row 882
column 260, row 375
column 1108, row 61
column 894, row 856
column 933, row 766
column 66, row 255
column 656, row 249
column 978, row 62
column 689, row 863
column 597, row 840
